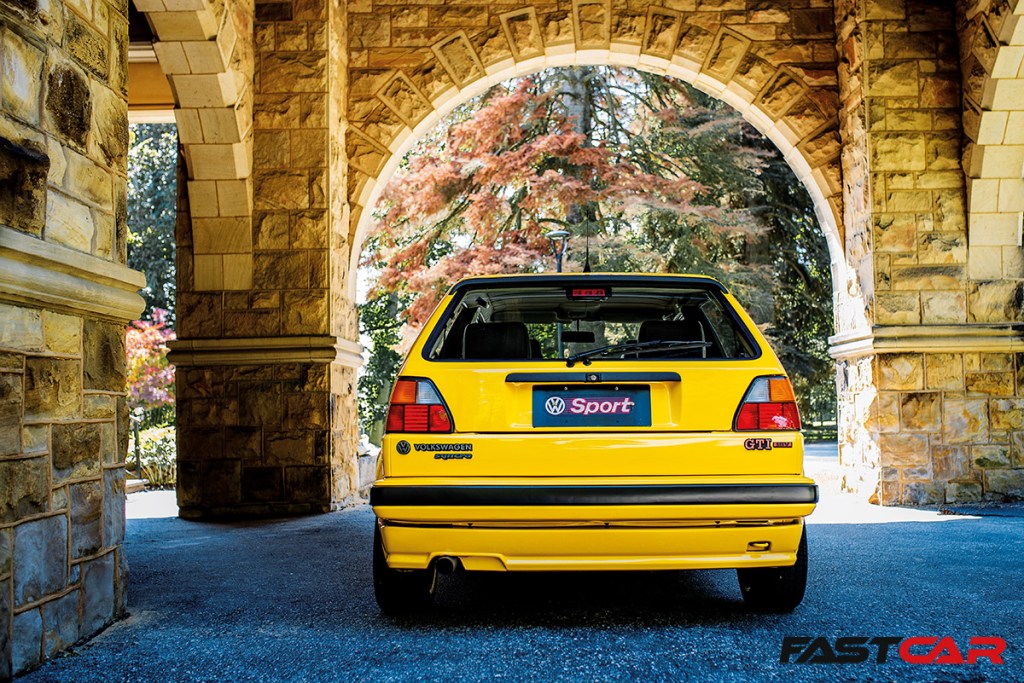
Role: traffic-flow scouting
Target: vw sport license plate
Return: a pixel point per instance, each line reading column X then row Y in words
column 592, row 407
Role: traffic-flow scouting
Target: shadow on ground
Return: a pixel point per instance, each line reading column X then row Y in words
column 292, row 600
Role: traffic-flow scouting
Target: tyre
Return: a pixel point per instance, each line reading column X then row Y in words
column 776, row 589
column 400, row 591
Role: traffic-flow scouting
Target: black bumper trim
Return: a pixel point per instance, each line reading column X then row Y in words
column 684, row 494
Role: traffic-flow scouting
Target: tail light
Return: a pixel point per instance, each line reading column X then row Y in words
column 769, row 405
column 416, row 406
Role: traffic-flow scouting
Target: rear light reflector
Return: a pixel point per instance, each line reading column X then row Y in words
column 416, row 406
column 769, row 405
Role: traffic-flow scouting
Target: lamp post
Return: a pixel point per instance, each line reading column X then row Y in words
column 558, row 238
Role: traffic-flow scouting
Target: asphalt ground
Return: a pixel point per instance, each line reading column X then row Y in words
column 291, row 600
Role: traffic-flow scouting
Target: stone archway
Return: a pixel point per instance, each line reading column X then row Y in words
column 788, row 93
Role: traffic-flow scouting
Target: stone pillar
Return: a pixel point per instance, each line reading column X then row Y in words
column 927, row 388
column 65, row 296
column 266, row 368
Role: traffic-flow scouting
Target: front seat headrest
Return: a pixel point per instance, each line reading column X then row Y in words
column 487, row 341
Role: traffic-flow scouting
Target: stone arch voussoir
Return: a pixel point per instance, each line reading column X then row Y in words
column 778, row 70
column 205, row 48
column 992, row 66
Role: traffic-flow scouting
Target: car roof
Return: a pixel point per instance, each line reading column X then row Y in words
column 590, row 278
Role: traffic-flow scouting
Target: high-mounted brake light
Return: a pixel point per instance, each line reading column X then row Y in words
column 416, row 406
column 595, row 293
column 769, row 405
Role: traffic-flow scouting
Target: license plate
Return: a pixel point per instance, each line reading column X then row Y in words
column 592, row 407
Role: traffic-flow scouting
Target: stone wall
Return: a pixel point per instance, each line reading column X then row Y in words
column 64, row 298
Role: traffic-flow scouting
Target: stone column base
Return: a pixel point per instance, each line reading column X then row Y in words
column 934, row 415
column 265, row 426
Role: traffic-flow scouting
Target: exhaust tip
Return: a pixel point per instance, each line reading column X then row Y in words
column 446, row 565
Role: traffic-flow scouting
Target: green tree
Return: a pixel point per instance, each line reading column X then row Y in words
column 152, row 206
column 379, row 320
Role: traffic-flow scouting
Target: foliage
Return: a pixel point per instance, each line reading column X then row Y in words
column 158, row 452
column 152, row 206
column 380, row 322
column 479, row 198
column 150, row 376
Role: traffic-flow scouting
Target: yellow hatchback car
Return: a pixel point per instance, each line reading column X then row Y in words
column 591, row 422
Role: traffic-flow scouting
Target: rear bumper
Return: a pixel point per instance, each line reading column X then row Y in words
column 594, row 548
column 520, row 526
column 643, row 494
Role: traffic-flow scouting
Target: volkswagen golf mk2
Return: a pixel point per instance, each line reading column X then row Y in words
column 591, row 422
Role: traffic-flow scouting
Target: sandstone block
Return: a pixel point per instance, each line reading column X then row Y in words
column 942, row 308
column 901, row 371
column 275, row 190
column 20, row 77
column 950, row 462
column 11, row 399
column 899, row 151
column 69, row 222
column 26, row 640
column 904, row 450
column 897, row 309
column 944, row 371
column 922, row 411
column 221, row 483
column 262, row 484
column 294, row 72
column 21, row 328
column 24, row 166
column 86, row 501
column 76, row 451
column 886, row 412
column 104, row 356
column 40, row 558
column 965, row 420
column 86, row 45
column 990, row 383
column 1008, row 483
column 963, row 492
column 996, row 455
column 98, row 578
column 69, row 103
column 53, row 388
column 24, row 488
column 1007, row 414
column 99, row 406
column 63, row 333
column 113, row 507
column 61, row 619
column 993, row 301
column 307, row 484
column 923, row 493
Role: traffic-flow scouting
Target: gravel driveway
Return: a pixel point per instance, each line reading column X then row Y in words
column 292, row 600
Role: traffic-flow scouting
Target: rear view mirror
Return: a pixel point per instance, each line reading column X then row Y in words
column 578, row 337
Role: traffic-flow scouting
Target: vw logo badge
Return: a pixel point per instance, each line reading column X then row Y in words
column 554, row 406
column 403, row 447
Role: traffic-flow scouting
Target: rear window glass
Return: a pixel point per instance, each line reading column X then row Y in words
column 619, row 321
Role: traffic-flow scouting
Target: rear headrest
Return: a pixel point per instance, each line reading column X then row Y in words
column 485, row 341
column 671, row 330
column 535, row 350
